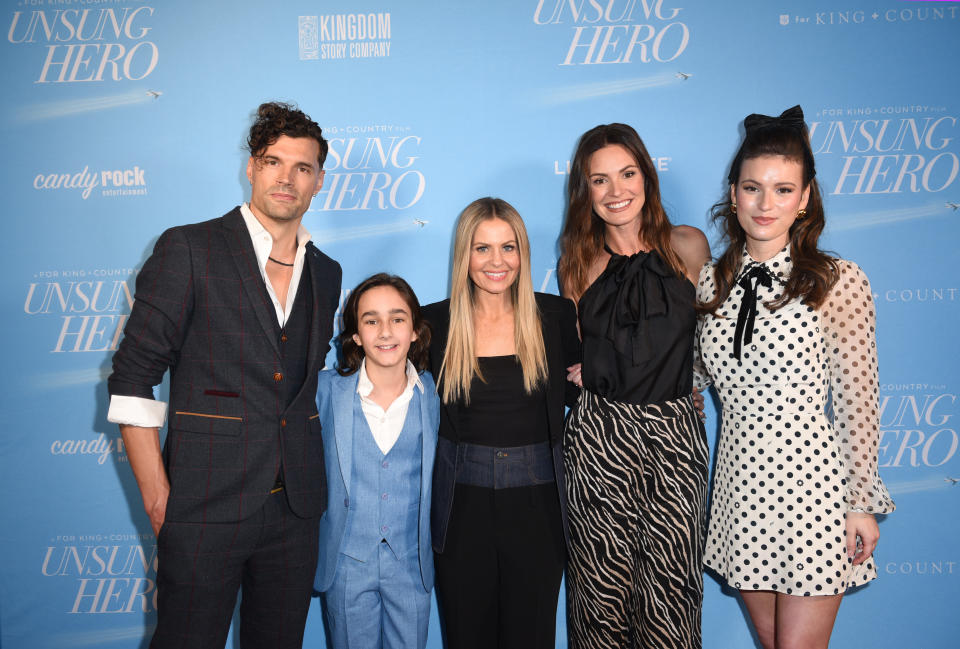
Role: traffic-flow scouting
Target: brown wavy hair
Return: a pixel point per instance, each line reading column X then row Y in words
column 351, row 354
column 276, row 118
column 814, row 271
column 582, row 238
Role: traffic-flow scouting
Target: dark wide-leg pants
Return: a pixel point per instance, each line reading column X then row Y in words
column 636, row 488
column 499, row 575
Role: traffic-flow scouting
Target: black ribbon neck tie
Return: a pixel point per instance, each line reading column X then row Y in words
column 758, row 274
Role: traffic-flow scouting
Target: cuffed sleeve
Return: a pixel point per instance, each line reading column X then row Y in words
column 137, row 411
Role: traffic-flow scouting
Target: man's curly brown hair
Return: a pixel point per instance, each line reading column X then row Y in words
column 276, row 118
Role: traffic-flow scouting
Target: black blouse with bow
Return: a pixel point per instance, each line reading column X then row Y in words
column 637, row 323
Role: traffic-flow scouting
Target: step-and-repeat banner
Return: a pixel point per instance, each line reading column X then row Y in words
column 121, row 118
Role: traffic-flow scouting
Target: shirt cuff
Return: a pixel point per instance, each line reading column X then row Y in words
column 136, row 411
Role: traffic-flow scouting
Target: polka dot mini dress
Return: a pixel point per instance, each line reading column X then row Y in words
column 787, row 471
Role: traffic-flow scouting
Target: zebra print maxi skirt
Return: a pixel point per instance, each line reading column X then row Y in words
column 636, row 488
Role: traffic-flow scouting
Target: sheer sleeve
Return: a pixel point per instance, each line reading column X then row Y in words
column 705, row 291
column 850, row 336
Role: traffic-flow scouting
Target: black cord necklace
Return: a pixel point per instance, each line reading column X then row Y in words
column 277, row 261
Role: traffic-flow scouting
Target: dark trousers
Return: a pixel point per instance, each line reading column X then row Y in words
column 271, row 556
column 499, row 575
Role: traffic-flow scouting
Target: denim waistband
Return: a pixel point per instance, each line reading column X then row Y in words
column 504, row 467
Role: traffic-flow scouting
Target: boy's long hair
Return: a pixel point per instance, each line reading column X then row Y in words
column 351, row 354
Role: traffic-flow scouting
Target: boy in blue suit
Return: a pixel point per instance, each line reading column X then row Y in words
column 379, row 414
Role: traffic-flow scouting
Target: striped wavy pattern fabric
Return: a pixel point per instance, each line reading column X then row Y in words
column 637, row 486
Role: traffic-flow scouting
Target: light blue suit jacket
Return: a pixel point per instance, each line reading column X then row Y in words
column 335, row 395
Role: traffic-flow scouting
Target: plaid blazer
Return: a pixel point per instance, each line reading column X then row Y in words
column 202, row 310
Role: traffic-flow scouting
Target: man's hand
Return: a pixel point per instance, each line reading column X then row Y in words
column 143, row 451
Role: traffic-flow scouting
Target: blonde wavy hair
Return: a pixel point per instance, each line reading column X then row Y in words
column 460, row 360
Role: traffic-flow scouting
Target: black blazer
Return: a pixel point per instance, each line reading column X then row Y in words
column 559, row 320
column 202, row 310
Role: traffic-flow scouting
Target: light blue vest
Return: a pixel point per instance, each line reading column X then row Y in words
column 385, row 490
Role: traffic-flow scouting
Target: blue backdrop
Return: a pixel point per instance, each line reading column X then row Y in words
column 121, row 118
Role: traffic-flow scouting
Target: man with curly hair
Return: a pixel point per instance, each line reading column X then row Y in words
column 240, row 310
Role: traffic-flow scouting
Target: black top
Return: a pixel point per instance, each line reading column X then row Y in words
column 559, row 322
column 500, row 412
column 558, row 318
column 637, row 322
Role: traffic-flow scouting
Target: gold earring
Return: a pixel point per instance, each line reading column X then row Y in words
column 801, row 214
column 733, row 207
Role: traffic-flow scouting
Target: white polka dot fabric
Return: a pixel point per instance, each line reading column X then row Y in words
column 786, row 471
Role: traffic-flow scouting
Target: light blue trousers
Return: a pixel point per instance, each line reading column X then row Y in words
column 378, row 604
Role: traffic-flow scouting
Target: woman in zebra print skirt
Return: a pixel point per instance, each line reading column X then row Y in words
column 635, row 450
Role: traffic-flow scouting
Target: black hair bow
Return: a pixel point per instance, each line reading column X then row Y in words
column 791, row 118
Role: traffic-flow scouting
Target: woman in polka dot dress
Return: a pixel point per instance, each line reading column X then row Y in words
column 784, row 331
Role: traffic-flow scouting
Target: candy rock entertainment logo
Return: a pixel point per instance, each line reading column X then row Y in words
column 371, row 167
column 859, row 17
column 616, row 31
column 104, row 573
column 916, row 425
column 87, row 44
column 101, row 448
column 341, row 36
column 90, row 307
column 113, row 182
column 885, row 149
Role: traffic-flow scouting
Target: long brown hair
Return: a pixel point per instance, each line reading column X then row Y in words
column 813, row 271
column 583, row 231
column 351, row 354
column 460, row 360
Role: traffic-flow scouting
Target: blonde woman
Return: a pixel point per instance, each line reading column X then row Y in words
column 500, row 352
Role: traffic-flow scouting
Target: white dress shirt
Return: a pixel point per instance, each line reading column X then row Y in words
column 386, row 425
column 149, row 413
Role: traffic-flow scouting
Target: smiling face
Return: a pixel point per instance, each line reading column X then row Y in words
column 494, row 257
column 384, row 328
column 768, row 196
column 616, row 186
column 284, row 178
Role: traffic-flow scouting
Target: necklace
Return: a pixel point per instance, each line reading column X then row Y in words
column 277, row 261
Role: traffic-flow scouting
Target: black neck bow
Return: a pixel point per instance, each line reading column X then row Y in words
column 636, row 294
column 748, row 306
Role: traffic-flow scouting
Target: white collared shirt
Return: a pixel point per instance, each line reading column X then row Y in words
column 262, row 245
column 149, row 413
column 386, row 425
